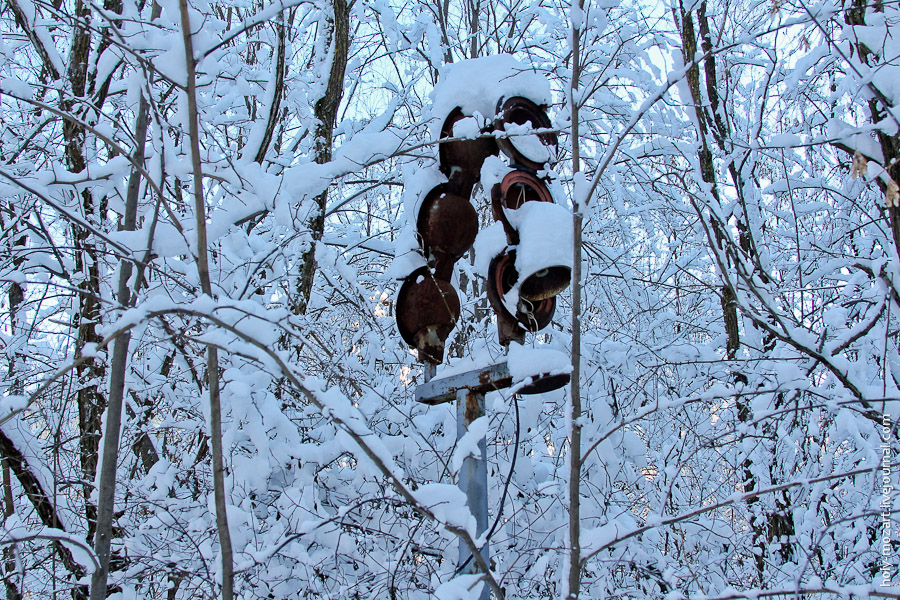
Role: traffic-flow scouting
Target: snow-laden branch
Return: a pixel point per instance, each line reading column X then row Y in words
column 14, row 532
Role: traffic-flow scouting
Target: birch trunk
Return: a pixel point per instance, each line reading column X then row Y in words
column 212, row 354
column 118, row 369
column 574, row 574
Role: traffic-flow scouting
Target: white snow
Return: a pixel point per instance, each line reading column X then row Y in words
column 12, row 404
column 546, row 237
column 581, row 188
column 365, row 148
column 167, row 241
column 462, row 587
column 526, row 362
column 13, row 530
column 468, row 444
column 448, row 505
column 338, row 407
column 784, row 140
column 478, row 358
column 489, row 242
column 857, row 138
column 528, row 144
column 30, row 447
column 493, row 170
column 466, row 128
column 16, row 88
column 477, row 85
column 417, row 183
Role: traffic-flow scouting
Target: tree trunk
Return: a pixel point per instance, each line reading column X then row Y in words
column 708, row 173
column 90, row 398
column 9, row 552
column 275, row 107
column 711, row 123
column 16, row 296
column 575, row 409
column 890, row 145
column 118, row 369
column 43, row 506
column 212, row 354
column 326, row 113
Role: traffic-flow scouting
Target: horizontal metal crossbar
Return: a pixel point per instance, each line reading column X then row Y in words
column 443, row 389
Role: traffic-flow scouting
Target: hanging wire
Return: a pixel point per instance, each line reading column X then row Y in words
column 512, row 468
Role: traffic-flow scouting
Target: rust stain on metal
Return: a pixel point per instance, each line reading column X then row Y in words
column 481, row 381
column 530, row 315
column 427, row 311
column 466, row 155
column 522, row 111
column 447, row 223
column 545, row 383
column 516, row 188
column 473, row 407
column 546, row 283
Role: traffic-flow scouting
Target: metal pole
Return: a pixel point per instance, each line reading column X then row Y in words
column 473, row 477
column 429, row 369
column 468, row 389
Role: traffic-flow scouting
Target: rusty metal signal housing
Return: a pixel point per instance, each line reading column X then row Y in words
column 461, row 160
column 545, row 383
column 428, row 306
column 427, row 311
column 525, row 151
column 447, row 225
column 545, row 283
column 536, row 290
column 531, row 315
column 516, row 188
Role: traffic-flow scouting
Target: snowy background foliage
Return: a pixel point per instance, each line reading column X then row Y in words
column 735, row 166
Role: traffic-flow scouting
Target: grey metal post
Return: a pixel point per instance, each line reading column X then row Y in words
column 429, row 371
column 468, row 390
column 473, row 476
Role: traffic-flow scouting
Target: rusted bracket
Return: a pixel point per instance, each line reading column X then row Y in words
column 443, row 389
column 484, row 380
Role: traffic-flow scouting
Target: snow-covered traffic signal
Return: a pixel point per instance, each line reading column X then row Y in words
column 531, row 262
column 518, row 118
column 524, row 279
column 447, row 225
column 461, row 159
column 427, row 311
